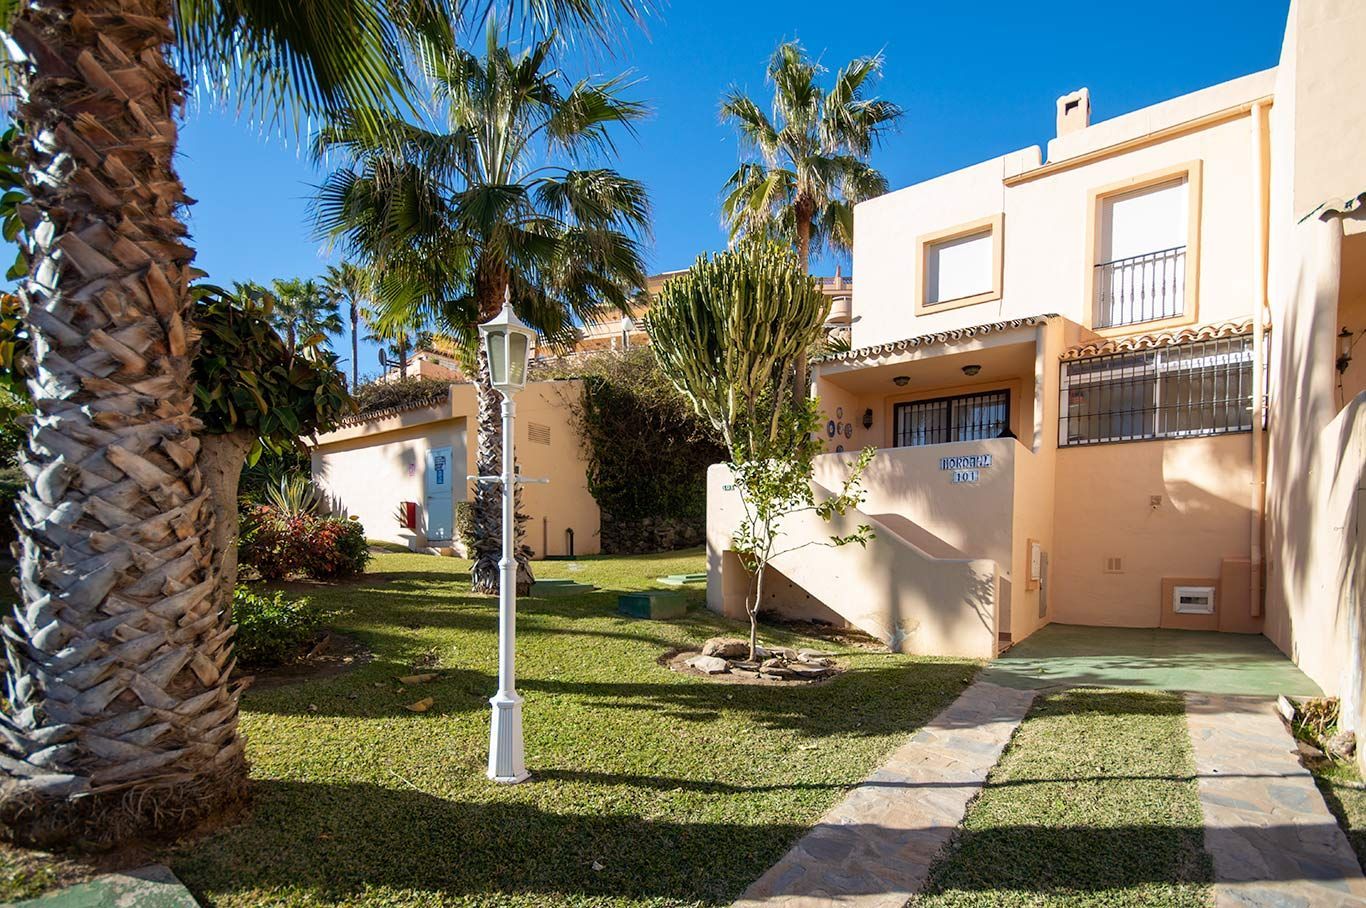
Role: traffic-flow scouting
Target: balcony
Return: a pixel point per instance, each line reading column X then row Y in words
column 1142, row 288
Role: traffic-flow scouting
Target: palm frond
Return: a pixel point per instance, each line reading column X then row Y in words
column 810, row 155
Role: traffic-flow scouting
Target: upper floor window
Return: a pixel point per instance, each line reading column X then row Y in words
column 1202, row 388
column 967, row 417
column 1143, row 240
column 960, row 266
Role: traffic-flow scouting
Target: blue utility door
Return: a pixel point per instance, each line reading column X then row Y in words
column 439, row 482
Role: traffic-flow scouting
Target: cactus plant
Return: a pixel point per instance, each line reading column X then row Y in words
column 729, row 333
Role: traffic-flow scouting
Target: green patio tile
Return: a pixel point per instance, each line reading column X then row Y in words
column 153, row 886
column 1150, row 658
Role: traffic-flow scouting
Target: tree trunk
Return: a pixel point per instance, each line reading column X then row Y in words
column 221, row 458
column 806, row 210
column 488, row 461
column 121, row 721
column 488, row 496
column 403, row 358
column 355, row 347
column 754, row 612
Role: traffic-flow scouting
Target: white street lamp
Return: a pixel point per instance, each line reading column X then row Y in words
column 628, row 325
column 507, row 344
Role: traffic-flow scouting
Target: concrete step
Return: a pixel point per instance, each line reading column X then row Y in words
column 681, row 579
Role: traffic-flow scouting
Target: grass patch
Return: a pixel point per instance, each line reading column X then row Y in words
column 681, row 791
column 1093, row 803
column 1343, row 792
column 386, row 547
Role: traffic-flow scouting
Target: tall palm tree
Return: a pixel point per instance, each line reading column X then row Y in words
column 303, row 308
column 350, row 284
column 808, row 163
column 395, row 340
column 494, row 201
column 119, row 717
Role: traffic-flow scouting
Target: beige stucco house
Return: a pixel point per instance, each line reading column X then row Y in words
column 1105, row 380
column 402, row 473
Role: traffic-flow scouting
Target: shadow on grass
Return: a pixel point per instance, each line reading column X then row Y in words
column 1336, row 795
column 363, row 842
column 862, row 701
column 359, row 842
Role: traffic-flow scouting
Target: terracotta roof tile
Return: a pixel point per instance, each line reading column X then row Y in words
column 1156, row 339
column 940, row 337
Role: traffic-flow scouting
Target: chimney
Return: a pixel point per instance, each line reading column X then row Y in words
column 1074, row 111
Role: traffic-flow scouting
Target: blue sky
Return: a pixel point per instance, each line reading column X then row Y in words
column 976, row 79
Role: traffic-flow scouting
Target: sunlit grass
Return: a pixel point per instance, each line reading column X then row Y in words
column 1094, row 803
column 649, row 787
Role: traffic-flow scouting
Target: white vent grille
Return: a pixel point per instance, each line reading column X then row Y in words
column 538, row 434
column 1193, row 600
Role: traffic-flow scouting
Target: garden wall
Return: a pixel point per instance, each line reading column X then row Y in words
column 623, row 536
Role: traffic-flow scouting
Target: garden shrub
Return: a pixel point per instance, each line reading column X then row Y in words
column 400, row 395
column 464, row 524
column 647, row 451
column 280, row 545
column 272, row 627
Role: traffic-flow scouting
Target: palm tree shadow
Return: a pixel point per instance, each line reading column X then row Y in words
column 352, row 842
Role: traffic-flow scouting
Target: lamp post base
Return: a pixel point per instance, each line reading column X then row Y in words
column 507, row 763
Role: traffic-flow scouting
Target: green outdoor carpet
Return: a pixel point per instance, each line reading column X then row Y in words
column 1152, row 659
column 153, row 886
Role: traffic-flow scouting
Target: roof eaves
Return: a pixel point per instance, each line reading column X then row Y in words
column 939, row 337
column 1156, row 339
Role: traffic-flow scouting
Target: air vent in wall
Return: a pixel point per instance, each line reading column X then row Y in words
column 1193, row 600
column 538, row 433
column 1114, row 564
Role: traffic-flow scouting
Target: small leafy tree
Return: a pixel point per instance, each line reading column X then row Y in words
column 727, row 334
column 253, row 393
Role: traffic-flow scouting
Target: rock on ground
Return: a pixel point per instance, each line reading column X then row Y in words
column 712, row 665
column 726, row 648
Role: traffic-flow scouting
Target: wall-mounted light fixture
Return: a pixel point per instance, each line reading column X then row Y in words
column 901, row 381
column 868, row 418
column 971, row 370
column 1344, row 349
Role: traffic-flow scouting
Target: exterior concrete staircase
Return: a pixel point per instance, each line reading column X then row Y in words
column 906, row 587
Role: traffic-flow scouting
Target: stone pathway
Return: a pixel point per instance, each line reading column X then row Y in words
column 874, row 848
column 1272, row 839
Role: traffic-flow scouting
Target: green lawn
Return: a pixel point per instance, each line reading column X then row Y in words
column 682, row 791
column 1094, row 803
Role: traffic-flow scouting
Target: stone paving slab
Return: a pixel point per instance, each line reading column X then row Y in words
column 1271, row 837
column 153, row 886
column 874, row 848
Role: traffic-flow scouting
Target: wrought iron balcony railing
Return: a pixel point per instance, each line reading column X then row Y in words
column 1141, row 288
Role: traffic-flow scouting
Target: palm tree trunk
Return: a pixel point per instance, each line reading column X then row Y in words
column 488, row 496
column 801, row 389
column 355, row 347
column 121, row 721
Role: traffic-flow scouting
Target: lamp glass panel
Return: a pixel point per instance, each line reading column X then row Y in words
column 498, row 359
column 517, row 359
